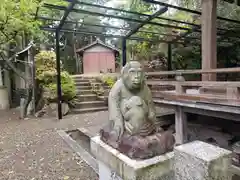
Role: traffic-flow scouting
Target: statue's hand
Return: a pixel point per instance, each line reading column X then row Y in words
column 119, row 130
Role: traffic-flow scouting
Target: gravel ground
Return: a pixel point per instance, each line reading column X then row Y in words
column 32, row 150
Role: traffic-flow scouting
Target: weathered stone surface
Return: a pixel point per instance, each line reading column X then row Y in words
column 201, row 161
column 133, row 128
column 114, row 162
column 138, row 147
column 51, row 110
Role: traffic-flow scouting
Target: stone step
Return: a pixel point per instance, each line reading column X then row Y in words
column 80, row 77
column 80, row 88
column 87, row 110
column 87, row 97
column 90, row 104
column 81, row 80
column 102, row 98
column 82, row 84
column 84, row 92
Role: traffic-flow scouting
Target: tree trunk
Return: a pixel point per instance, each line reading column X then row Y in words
column 27, row 97
column 1, row 76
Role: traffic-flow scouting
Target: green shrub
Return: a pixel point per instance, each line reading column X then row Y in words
column 99, row 88
column 46, row 76
column 109, row 80
column 45, row 62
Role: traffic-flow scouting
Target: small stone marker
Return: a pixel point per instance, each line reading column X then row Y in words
column 201, row 161
column 114, row 165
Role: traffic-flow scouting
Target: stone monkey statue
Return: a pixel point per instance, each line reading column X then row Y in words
column 133, row 128
column 131, row 83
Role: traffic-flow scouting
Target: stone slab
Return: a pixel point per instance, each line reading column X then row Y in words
column 79, row 150
column 201, row 161
column 157, row 168
column 105, row 173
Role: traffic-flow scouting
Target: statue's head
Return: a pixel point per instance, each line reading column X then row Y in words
column 133, row 75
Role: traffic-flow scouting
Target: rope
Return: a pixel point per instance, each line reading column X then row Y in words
column 24, row 62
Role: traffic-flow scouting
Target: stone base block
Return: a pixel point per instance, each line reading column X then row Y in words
column 4, row 99
column 115, row 165
column 201, row 161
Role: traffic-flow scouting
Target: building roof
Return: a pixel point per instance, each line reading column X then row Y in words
column 97, row 42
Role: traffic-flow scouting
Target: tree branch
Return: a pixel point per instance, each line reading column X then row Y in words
column 12, row 66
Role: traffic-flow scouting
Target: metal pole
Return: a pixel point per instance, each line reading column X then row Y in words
column 59, row 90
column 124, row 51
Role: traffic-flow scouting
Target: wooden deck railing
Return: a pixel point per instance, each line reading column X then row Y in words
column 217, row 92
column 199, row 71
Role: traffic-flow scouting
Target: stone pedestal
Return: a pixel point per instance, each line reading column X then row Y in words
column 201, row 161
column 114, row 165
column 4, row 99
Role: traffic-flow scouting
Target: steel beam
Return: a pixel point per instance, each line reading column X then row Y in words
column 187, row 10
column 124, row 51
column 61, row 23
column 107, row 35
column 194, row 29
column 66, row 13
column 135, row 13
column 111, row 27
column 150, row 18
column 115, row 16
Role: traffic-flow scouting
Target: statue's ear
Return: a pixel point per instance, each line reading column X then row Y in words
column 144, row 77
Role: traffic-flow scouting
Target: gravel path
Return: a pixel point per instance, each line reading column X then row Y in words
column 32, row 149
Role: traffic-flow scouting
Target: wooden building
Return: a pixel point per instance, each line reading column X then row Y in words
column 98, row 57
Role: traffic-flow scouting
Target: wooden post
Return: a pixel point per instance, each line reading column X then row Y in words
column 209, row 38
column 233, row 93
column 169, row 62
column 180, row 126
column 180, row 115
column 179, row 88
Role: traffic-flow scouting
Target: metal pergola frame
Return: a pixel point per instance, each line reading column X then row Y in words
column 129, row 36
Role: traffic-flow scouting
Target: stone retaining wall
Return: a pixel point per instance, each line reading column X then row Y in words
column 192, row 161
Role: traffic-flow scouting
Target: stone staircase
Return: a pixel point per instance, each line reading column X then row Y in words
column 87, row 100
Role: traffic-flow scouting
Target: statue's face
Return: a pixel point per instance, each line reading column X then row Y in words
column 135, row 75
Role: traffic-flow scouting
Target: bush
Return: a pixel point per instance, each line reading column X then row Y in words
column 104, row 79
column 46, row 76
column 108, row 79
column 45, row 65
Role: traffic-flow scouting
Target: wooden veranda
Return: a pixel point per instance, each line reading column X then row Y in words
column 207, row 97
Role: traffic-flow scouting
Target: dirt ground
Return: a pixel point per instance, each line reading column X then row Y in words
column 32, row 150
